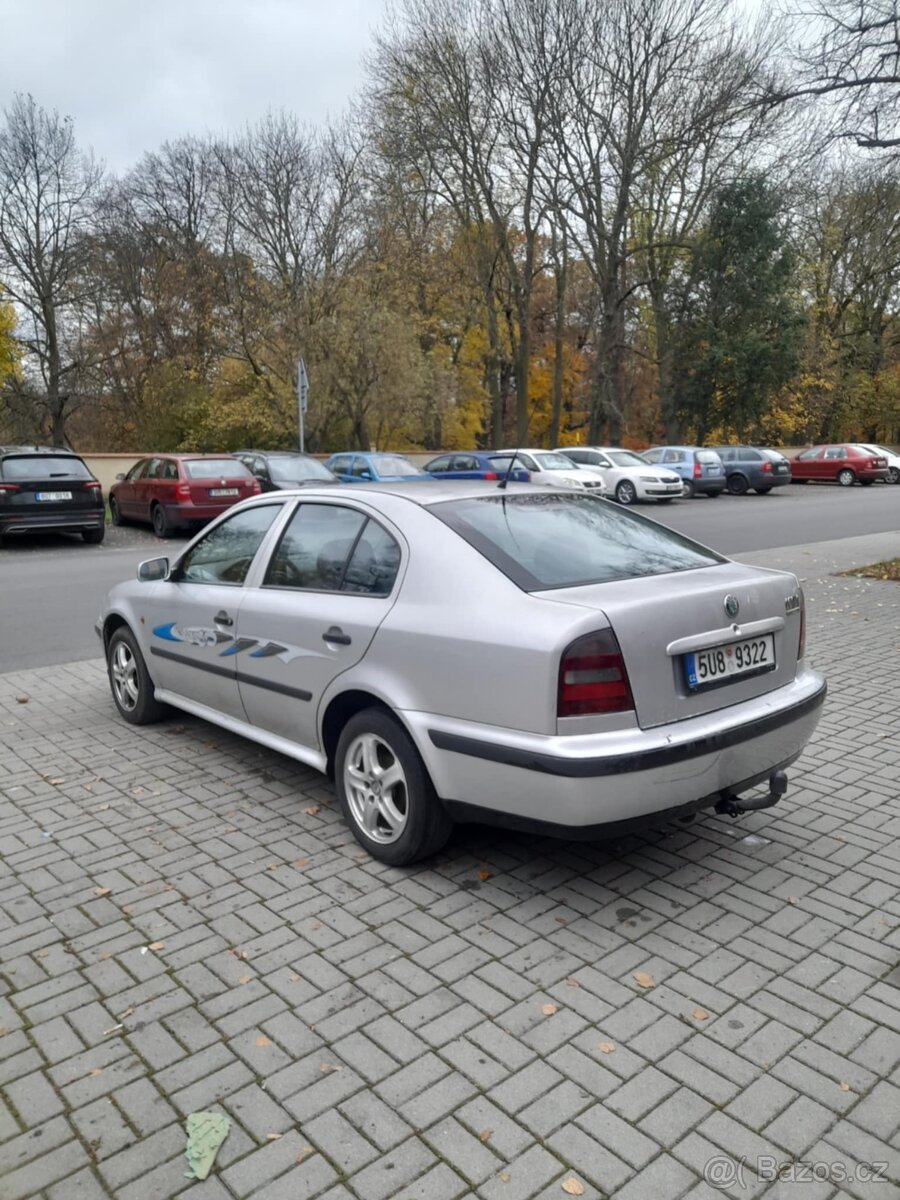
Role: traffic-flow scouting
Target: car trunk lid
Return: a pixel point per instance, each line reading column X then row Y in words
column 660, row 620
column 218, row 483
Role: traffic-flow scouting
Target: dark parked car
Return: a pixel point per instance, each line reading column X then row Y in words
column 276, row 470
column 701, row 471
column 475, row 464
column 749, row 467
column 42, row 487
column 172, row 491
column 844, row 463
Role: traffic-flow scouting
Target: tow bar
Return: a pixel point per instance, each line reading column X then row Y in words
column 733, row 806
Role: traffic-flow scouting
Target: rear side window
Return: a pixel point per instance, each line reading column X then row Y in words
column 552, row 541
column 214, row 468
column 44, row 466
column 328, row 548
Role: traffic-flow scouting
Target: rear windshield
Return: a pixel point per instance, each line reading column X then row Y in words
column 707, row 456
column 44, row 466
column 392, row 464
column 288, row 470
column 214, row 468
column 554, row 541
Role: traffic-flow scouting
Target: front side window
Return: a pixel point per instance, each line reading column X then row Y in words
column 673, row 456
column 439, row 464
column 136, row 471
column 465, row 462
column 361, row 468
column 341, row 464
column 226, row 553
column 558, row 540
column 809, row 455
column 836, row 452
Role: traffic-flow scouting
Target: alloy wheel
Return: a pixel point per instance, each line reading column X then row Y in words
column 626, row 492
column 375, row 785
column 124, row 673
column 846, row 478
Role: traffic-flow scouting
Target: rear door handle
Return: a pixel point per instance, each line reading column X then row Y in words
column 336, row 634
column 222, row 618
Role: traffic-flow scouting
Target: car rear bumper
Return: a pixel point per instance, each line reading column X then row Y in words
column 31, row 522
column 704, row 486
column 597, row 779
column 187, row 514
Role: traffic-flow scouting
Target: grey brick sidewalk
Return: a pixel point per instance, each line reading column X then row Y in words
column 186, row 923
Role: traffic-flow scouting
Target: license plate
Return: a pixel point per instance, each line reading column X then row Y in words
column 53, row 495
column 721, row 663
column 223, row 491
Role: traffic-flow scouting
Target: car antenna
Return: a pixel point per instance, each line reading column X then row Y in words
column 505, row 480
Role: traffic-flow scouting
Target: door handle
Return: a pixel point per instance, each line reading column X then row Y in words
column 222, row 618
column 336, row 634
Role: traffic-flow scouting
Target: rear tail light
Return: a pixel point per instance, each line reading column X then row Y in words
column 92, row 485
column 592, row 677
column 8, row 487
column 801, row 641
column 874, row 464
column 183, row 489
column 489, row 475
column 767, row 468
column 255, row 488
column 698, row 470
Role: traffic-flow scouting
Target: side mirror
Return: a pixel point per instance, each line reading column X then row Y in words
column 151, row 570
column 365, row 474
column 121, row 475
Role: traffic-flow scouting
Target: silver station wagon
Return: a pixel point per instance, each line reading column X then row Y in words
column 529, row 657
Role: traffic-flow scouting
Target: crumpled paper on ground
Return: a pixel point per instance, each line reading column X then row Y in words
column 206, row 1131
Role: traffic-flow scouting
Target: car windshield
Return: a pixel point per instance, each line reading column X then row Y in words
column 214, row 468
column 555, row 462
column 554, row 541
column 44, row 466
column 292, row 470
column 393, row 464
column 624, row 458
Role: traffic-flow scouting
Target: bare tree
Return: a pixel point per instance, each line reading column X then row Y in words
column 48, row 197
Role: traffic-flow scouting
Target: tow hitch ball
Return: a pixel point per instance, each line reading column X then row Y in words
column 733, row 806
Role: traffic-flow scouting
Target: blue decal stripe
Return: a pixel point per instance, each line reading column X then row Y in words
column 165, row 631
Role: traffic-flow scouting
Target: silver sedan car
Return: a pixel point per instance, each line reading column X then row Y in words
column 532, row 657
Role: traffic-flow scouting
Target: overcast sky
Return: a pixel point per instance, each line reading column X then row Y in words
column 134, row 73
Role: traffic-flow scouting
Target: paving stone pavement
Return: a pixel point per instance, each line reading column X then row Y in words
column 186, row 923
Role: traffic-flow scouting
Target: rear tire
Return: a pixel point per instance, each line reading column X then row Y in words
column 866, row 482
column 160, row 521
column 715, row 495
column 94, row 537
column 738, row 484
column 846, row 477
column 385, row 792
column 129, row 680
column 764, row 491
column 893, row 475
column 626, row 492
column 687, row 489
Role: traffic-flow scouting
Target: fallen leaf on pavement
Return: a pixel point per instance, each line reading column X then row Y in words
column 294, row 978
column 312, row 810
column 21, row 699
column 272, row 867
column 485, row 1135
column 101, row 808
column 245, row 978
column 262, row 1041
column 549, row 1009
column 156, row 946
column 699, row 1014
column 606, row 1047
column 642, row 979
column 102, row 891
column 326, row 1067
column 572, row 1187
column 483, row 875
column 273, row 1137
column 503, row 1176
column 301, row 862
column 56, row 782
column 96, row 1071
column 793, row 900
column 845, row 1087
column 305, row 1152
column 572, row 983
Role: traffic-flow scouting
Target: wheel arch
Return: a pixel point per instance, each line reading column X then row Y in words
column 113, row 622
column 339, row 711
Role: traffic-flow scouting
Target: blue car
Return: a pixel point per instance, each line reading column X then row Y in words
column 374, row 468
column 475, row 464
column 702, row 471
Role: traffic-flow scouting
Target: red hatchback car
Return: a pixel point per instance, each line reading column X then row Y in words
column 845, row 463
column 172, row 491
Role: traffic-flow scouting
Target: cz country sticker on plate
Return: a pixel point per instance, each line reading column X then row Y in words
column 722, row 663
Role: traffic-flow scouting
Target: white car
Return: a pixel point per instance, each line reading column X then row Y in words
column 554, row 468
column 893, row 461
column 628, row 477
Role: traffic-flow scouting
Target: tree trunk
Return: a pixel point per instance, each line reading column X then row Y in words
column 559, row 328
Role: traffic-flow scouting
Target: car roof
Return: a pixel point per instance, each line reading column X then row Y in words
column 56, row 450
column 270, row 453
column 185, row 456
column 429, row 491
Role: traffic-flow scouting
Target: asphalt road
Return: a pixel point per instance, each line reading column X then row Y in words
column 51, row 586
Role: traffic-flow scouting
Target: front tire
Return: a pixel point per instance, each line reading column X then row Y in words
column 687, row 489
column 763, row 491
column 626, row 492
column 129, row 680
column 893, row 475
column 115, row 512
column 385, row 793
column 846, row 478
